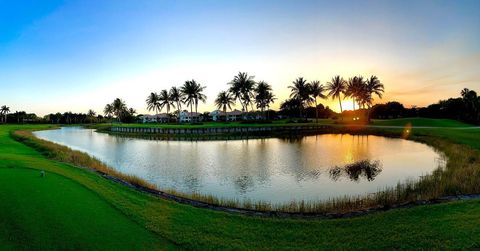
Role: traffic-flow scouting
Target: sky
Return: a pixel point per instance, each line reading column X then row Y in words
column 58, row 56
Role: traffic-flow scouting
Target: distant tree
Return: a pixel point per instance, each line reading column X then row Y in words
column 176, row 96
column 354, row 89
column 5, row 110
column 300, row 90
column 119, row 107
column 91, row 116
column 263, row 96
column 316, row 91
column 336, row 88
column 290, row 107
column 165, row 100
column 223, row 101
column 242, row 87
column 108, row 110
column 193, row 93
column 153, row 102
column 199, row 95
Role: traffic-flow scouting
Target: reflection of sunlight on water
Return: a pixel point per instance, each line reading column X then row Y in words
column 276, row 170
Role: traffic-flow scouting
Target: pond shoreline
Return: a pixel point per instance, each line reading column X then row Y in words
column 345, row 208
column 279, row 214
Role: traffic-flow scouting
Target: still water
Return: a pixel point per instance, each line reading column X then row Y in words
column 273, row 170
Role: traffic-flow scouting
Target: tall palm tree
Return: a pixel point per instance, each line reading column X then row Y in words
column 119, row 107
column 108, row 110
column 263, row 96
column 336, row 88
column 241, row 87
column 5, row 110
column 270, row 99
column 176, row 96
column 316, row 91
column 374, row 86
column 223, row 101
column 300, row 90
column 354, row 88
column 152, row 102
column 199, row 95
column 188, row 91
column 164, row 100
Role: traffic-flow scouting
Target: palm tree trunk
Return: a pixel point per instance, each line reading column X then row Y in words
column 225, row 111
column 196, row 108
column 178, row 106
column 341, row 109
column 316, row 109
column 191, row 111
column 353, row 102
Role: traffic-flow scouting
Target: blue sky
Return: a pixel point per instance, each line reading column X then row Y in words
column 77, row 55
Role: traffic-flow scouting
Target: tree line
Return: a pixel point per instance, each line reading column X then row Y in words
column 250, row 94
column 465, row 108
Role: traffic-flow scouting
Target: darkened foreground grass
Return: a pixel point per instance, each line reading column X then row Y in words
column 444, row 226
column 459, row 176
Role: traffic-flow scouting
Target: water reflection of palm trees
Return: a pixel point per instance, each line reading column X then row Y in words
column 364, row 169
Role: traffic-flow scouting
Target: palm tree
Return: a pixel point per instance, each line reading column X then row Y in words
column 223, row 101
column 152, row 102
column 188, row 91
column 263, row 96
column 199, row 96
column 354, row 89
column 5, row 110
column 108, row 110
column 372, row 86
column 119, row 107
column 316, row 91
column 336, row 88
column 241, row 87
column 164, row 100
column 91, row 115
column 301, row 91
column 176, row 96
column 270, row 99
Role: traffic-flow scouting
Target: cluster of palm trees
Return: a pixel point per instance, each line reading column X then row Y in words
column 361, row 91
column 190, row 94
column 248, row 92
column 244, row 89
column 118, row 109
column 4, row 110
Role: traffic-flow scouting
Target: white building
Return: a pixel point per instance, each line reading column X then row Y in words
column 218, row 115
column 157, row 118
column 186, row 116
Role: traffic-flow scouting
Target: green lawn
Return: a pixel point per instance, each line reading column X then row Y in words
column 54, row 212
column 102, row 206
column 420, row 122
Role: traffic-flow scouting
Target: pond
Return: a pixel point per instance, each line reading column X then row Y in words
column 274, row 170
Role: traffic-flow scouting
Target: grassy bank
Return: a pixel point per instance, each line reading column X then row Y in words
column 444, row 226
